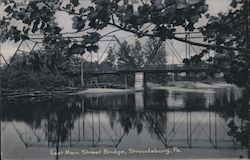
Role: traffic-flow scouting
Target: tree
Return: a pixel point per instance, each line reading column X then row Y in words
column 165, row 16
column 155, row 18
column 121, row 56
column 33, row 70
column 230, row 29
column 138, row 53
column 161, row 54
column 110, row 58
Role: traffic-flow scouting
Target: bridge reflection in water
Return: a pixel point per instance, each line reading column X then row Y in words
column 156, row 118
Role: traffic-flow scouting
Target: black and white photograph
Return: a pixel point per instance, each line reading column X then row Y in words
column 124, row 79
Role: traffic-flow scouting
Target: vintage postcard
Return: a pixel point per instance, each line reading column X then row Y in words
column 124, row 79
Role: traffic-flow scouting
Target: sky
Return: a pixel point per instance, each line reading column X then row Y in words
column 64, row 20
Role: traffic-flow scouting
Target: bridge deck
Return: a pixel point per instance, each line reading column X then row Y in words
column 157, row 69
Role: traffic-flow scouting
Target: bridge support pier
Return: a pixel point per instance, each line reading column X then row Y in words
column 140, row 82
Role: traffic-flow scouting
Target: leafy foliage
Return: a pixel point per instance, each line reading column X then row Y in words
column 165, row 15
column 20, row 75
column 156, row 18
column 138, row 53
column 229, row 29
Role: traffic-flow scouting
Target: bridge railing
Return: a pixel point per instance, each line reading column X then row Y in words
column 156, row 67
column 161, row 68
column 178, row 66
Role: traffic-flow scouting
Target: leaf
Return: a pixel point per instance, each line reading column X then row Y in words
column 42, row 25
column 93, row 15
column 92, row 38
column 144, row 10
column 181, row 6
column 210, row 59
column 125, row 2
column 82, row 10
column 190, row 26
column 130, row 9
column 233, row 4
column 161, row 32
column 68, row 6
column 13, row 30
column 24, row 37
column 204, row 51
column 35, row 26
column 8, row 9
column 186, row 61
column 26, row 20
column 157, row 4
column 78, row 23
column 75, row 2
column 92, row 48
column 192, row 2
column 195, row 18
column 77, row 49
column 195, row 59
column 204, row 9
column 33, row 5
column 164, row 33
column 2, row 22
column 170, row 2
column 207, row 15
column 16, row 38
column 57, row 30
column 20, row 15
column 47, row 29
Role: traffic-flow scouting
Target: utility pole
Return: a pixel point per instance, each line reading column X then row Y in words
column 1, row 98
column 1, row 71
column 82, row 80
column 247, row 58
column 247, row 4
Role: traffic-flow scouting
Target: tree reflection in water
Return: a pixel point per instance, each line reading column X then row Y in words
column 149, row 111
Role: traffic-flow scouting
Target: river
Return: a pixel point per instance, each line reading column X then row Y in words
column 157, row 123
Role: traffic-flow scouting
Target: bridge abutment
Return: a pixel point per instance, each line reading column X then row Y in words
column 140, row 82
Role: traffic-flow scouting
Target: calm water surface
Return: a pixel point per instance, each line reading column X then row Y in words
column 180, row 124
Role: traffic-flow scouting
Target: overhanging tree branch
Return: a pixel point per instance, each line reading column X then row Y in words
column 210, row 46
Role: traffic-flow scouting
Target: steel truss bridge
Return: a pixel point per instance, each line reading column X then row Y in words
column 175, row 68
column 35, row 43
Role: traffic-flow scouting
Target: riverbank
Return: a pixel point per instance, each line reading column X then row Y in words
column 100, row 91
column 182, row 86
column 25, row 93
column 186, row 86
